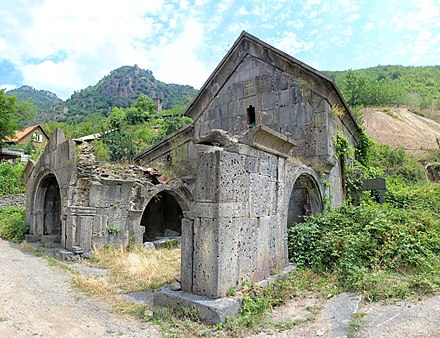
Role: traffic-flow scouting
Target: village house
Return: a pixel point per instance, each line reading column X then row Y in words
column 34, row 134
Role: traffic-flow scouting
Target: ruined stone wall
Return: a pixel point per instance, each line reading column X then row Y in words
column 107, row 202
column 98, row 203
column 57, row 164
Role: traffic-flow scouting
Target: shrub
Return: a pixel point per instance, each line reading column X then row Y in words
column 10, row 178
column 13, row 225
column 399, row 240
column 101, row 151
column 397, row 163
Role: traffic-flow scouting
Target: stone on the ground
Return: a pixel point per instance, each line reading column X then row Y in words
column 149, row 245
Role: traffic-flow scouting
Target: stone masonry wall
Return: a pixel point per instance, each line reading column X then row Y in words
column 13, row 200
column 239, row 224
column 289, row 105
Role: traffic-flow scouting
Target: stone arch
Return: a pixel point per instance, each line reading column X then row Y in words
column 305, row 199
column 163, row 214
column 47, row 209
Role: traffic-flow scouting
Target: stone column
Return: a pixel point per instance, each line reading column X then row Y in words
column 79, row 226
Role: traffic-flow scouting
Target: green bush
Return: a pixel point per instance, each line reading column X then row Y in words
column 398, row 241
column 101, row 151
column 13, row 225
column 397, row 163
column 10, row 178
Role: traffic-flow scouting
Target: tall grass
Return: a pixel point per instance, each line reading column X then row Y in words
column 134, row 269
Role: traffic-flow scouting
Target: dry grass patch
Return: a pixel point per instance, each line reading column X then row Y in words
column 137, row 268
column 93, row 286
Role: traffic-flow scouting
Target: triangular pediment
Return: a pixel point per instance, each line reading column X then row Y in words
column 248, row 45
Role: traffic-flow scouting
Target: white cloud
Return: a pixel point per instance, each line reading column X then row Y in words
column 180, row 39
column 236, row 28
column 224, row 5
column 243, row 11
column 308, row 4
column 7, row 87
column 96, row 37
column 297, row 23
column 312, row 15
column 291, row 44
column 99, row 36
column 369, row 26
column 48, row 73
column 354, row 17
column 177, row 60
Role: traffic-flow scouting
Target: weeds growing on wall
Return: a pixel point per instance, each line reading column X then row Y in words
column 13, row 225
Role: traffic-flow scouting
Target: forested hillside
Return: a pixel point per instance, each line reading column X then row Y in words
column 42, row 99
column 417, row 88
column 118, row 89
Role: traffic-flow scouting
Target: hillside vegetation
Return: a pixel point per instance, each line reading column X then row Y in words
column 417, row 88
column 42, row 99
column 118, row 89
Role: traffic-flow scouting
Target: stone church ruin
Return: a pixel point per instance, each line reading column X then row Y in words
column 252, row 163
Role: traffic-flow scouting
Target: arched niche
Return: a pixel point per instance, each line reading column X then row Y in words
column 163, row 215
column 305, row 200
column 47, row 208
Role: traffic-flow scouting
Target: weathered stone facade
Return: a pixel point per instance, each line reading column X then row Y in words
column 262, row 142
column 253, row 163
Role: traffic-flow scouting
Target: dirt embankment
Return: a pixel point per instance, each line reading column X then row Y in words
column 400, row 127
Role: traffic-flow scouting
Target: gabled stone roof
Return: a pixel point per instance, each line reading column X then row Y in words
column 245, row 45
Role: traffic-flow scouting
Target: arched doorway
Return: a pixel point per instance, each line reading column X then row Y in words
column 162, row 217
column 305, row 200
column 48, row 202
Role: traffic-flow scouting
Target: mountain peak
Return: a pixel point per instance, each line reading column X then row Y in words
column 42, row 99
column 120, row 88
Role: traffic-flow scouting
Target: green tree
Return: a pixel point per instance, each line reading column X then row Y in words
column 117, row 118
column 144, row 103
column 352, row 88
column 26, row 112
column 9, row 117
column 140, row 110
column 171, row 124
column 14, row 115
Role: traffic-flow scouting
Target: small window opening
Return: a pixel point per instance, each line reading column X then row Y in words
column 251, row 116
column 38, row 138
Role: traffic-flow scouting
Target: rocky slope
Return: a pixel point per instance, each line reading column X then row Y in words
column 401, row 127
column 119, row 89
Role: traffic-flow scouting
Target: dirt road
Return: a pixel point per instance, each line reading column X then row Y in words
column 37, row 300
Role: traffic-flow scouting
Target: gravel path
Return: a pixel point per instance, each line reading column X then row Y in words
column 403, row 319
column 37, row 300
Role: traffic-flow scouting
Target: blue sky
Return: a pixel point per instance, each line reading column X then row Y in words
column 67, row 45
